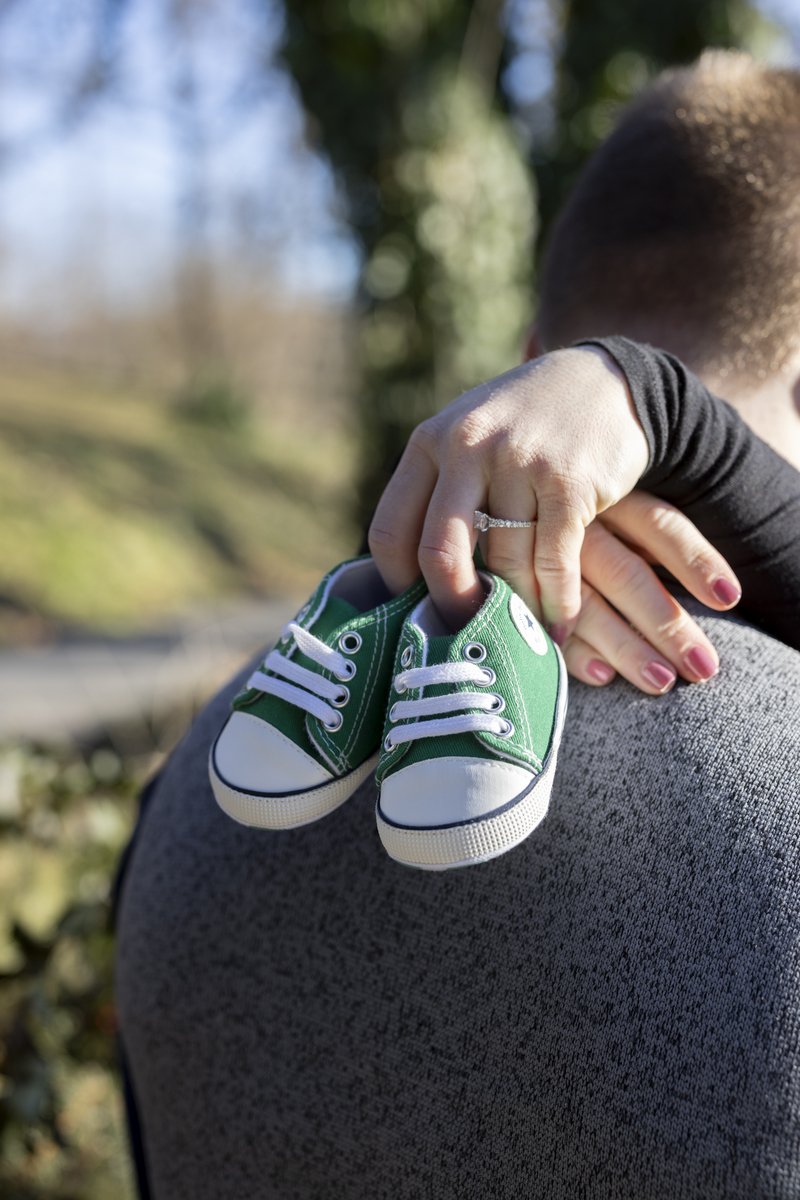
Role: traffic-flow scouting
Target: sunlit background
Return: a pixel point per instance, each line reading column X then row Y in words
column 244, row 248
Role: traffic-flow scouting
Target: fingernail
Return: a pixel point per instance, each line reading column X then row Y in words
column 701, row 662
column 658, row 676
column 600, row 671
column 725, row 591
column 559, row 634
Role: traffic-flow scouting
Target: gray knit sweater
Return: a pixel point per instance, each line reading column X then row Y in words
column 609, row 1012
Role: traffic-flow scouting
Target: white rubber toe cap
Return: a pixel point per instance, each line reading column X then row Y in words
column 253, row 756
column 446, row 791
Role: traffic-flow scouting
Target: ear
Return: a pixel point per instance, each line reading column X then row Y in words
column 533, row 343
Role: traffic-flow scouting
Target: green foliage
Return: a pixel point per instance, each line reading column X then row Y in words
column 117, row 510
column 401, row 97
column 215, row 402
column 446, row 285
column 63, row 821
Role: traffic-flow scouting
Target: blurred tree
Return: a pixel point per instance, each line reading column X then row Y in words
column 403, row 100
column 406, row 102
column 195, row 282
column 609, row 50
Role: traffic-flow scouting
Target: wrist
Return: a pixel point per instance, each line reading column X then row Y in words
column 609, row 385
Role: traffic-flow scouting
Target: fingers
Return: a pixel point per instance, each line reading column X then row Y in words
column 423, row 522
column 620, row 646
column 585, row 663
column 621, row 576
column 447, row 545
column 396, row 528
column 672, row 540
column 509, row 552
column 556, row 562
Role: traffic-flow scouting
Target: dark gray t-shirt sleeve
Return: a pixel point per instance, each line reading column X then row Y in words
column 740, row 494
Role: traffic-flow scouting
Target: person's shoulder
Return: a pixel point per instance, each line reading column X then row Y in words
column 739, row 729
column 745, row 648
column 753, row 666
column 749, row 713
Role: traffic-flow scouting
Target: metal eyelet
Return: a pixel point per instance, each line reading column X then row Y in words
column 341, row 699
column 388, row 744
column 335, row 724
column 407, row 657
column 498, row 704
column 349, row 672
column 489, row 678
column 507, row 730
column 474, row 652
column 392, row 714
column 399, row 687
column 351, row 642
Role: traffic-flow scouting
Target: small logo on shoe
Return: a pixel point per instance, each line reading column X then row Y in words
column 527, row 625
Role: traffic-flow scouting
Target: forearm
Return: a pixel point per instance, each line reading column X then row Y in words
column 743, row 496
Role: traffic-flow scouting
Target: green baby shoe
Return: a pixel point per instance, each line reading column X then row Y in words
column 305, row 732
column 472, row 733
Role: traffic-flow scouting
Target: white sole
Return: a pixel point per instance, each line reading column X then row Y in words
column 452, row 846
column 292, row 810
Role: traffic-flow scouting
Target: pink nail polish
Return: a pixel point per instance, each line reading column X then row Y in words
column 559, row 634
column 658, row 676
column 600, row 671
column 701, row 663
column 725, row 591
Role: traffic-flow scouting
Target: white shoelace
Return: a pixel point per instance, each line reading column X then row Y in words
column 489, row 703
column 302, row 687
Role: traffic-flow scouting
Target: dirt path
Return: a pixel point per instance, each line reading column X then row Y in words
column 83, row 687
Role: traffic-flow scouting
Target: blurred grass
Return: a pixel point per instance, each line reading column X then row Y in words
column 120, row 507
column 64, row 817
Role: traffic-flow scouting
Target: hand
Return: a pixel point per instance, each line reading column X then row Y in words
column 616, row 574
column 556, row 439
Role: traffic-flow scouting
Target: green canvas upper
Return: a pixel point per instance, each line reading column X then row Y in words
column 527, row 681
column 328, row 617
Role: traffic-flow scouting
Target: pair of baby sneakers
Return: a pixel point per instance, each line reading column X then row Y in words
column 465, row 746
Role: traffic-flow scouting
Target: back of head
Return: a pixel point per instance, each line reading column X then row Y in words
column 684, row 228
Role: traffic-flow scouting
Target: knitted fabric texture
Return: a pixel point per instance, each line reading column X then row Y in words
column 611, row 1012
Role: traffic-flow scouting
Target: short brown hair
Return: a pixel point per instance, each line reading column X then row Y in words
column 684, row 228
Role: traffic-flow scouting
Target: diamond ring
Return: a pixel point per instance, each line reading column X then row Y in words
column 482, row 521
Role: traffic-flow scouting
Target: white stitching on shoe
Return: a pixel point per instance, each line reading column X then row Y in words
column 501, row 591
column 358, row 721
column 339, row 759
column 481, row 623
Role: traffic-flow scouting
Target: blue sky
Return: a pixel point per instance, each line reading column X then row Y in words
column 96, row 204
